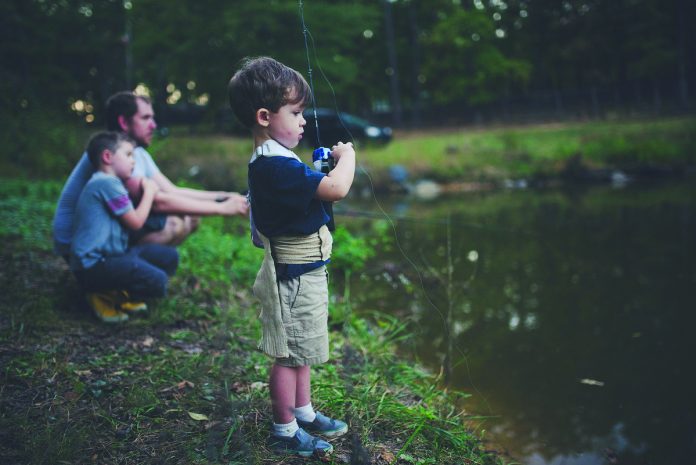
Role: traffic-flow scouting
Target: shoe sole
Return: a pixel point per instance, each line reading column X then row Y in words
column 329, row 434
column 335, row 434
column 303, row 453
column 134, row 310
column 115, row 319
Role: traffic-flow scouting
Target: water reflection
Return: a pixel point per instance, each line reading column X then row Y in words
column 574, row 328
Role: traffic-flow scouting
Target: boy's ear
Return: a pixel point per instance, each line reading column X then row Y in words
column 123, row 123
column 263, row 117
column 106, row 157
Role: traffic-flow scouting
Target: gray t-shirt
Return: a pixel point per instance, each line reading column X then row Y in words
column 65, row 210
column 97, row 232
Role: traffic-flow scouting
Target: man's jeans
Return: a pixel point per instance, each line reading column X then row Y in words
column 142, row 272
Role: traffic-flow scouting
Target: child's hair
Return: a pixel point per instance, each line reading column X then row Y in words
column 124, row 103
column 263, row 82
column 105, row 140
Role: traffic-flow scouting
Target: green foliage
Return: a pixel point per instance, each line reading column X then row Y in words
column 476, row 69
column 26, row 211
column 350, row 252
column 216, row 256
column 497, row 154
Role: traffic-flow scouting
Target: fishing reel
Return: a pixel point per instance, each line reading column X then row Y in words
column 322, row 159
column 324, row 162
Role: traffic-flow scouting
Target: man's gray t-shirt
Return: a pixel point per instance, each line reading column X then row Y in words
column 97, row 232
column 65, row 210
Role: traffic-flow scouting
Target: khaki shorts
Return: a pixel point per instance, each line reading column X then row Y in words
column 304, row 303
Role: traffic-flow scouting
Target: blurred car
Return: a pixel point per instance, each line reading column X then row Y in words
column 343, row 127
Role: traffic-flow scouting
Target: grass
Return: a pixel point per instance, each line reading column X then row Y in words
column 468, row 154
column 186, row 385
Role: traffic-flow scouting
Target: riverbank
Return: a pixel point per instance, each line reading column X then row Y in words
column 185, row 384
column 471, row 158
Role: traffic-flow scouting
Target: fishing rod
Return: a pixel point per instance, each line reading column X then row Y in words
column 321, row 156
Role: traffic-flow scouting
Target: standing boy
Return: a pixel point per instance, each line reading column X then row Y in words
column 292, row 284
column 100, row 257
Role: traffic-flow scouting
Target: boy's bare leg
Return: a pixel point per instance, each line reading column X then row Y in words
column 175, row 231
column 303, row 386
column 283, row 387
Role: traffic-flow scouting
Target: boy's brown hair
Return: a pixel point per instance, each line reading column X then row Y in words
column 263, row 82
column 104, row 140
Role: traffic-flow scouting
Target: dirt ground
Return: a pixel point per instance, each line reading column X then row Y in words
column 74, row 390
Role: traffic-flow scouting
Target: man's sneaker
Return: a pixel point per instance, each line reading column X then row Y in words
column 325, row 426
column 104, row 306
column 130, row 306
column 302, row 443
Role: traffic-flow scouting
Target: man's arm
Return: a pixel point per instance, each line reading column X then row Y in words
column 173, row 202
column 166, row 185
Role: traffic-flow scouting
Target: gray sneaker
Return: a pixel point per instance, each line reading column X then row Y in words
column 302, row 443
column 325, row 426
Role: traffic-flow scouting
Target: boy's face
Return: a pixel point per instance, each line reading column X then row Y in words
column 122, row 161
column 287, row 124
column 142, row 125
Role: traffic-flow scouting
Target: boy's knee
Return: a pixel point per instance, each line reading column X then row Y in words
column 158, row 285
column 177, row 229
column 193, row 223
column 171, row 262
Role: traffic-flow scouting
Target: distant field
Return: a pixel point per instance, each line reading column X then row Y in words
column 464, row 154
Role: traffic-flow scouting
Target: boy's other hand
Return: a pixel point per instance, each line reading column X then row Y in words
column 341, row 149
column 134, row 188
column 235, row 204
column 148, row 185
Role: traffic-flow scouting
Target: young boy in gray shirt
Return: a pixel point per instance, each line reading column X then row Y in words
column 115, row 276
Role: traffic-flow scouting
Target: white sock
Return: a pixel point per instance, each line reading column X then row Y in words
column 287, row 429
column 305, row 413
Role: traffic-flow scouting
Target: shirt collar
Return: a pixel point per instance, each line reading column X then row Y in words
column 274, row 148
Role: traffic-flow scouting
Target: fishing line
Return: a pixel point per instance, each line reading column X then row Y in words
column 305, row 32
column 388, row 218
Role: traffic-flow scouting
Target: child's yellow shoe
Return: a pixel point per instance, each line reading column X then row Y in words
column 133, row 307
column 130, row 306
column 104, row 306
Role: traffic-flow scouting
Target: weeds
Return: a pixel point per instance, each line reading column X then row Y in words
column 186, row 385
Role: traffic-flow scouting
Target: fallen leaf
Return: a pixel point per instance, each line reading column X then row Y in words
column 197, row 416
column 238, row 386
column 83, row 372
column 258, row 385
column 387, row 456
column 184, row 384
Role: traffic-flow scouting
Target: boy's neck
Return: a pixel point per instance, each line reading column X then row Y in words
column 260, row 137
column 107, row 170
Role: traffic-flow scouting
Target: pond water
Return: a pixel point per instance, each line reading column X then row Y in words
column 570, row 317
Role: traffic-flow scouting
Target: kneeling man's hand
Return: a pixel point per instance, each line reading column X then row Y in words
column 235, row 204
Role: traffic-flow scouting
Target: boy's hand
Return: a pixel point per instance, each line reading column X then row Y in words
column 235, row 204
column 134, row 188
column 341, row 149
column 148, row 185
